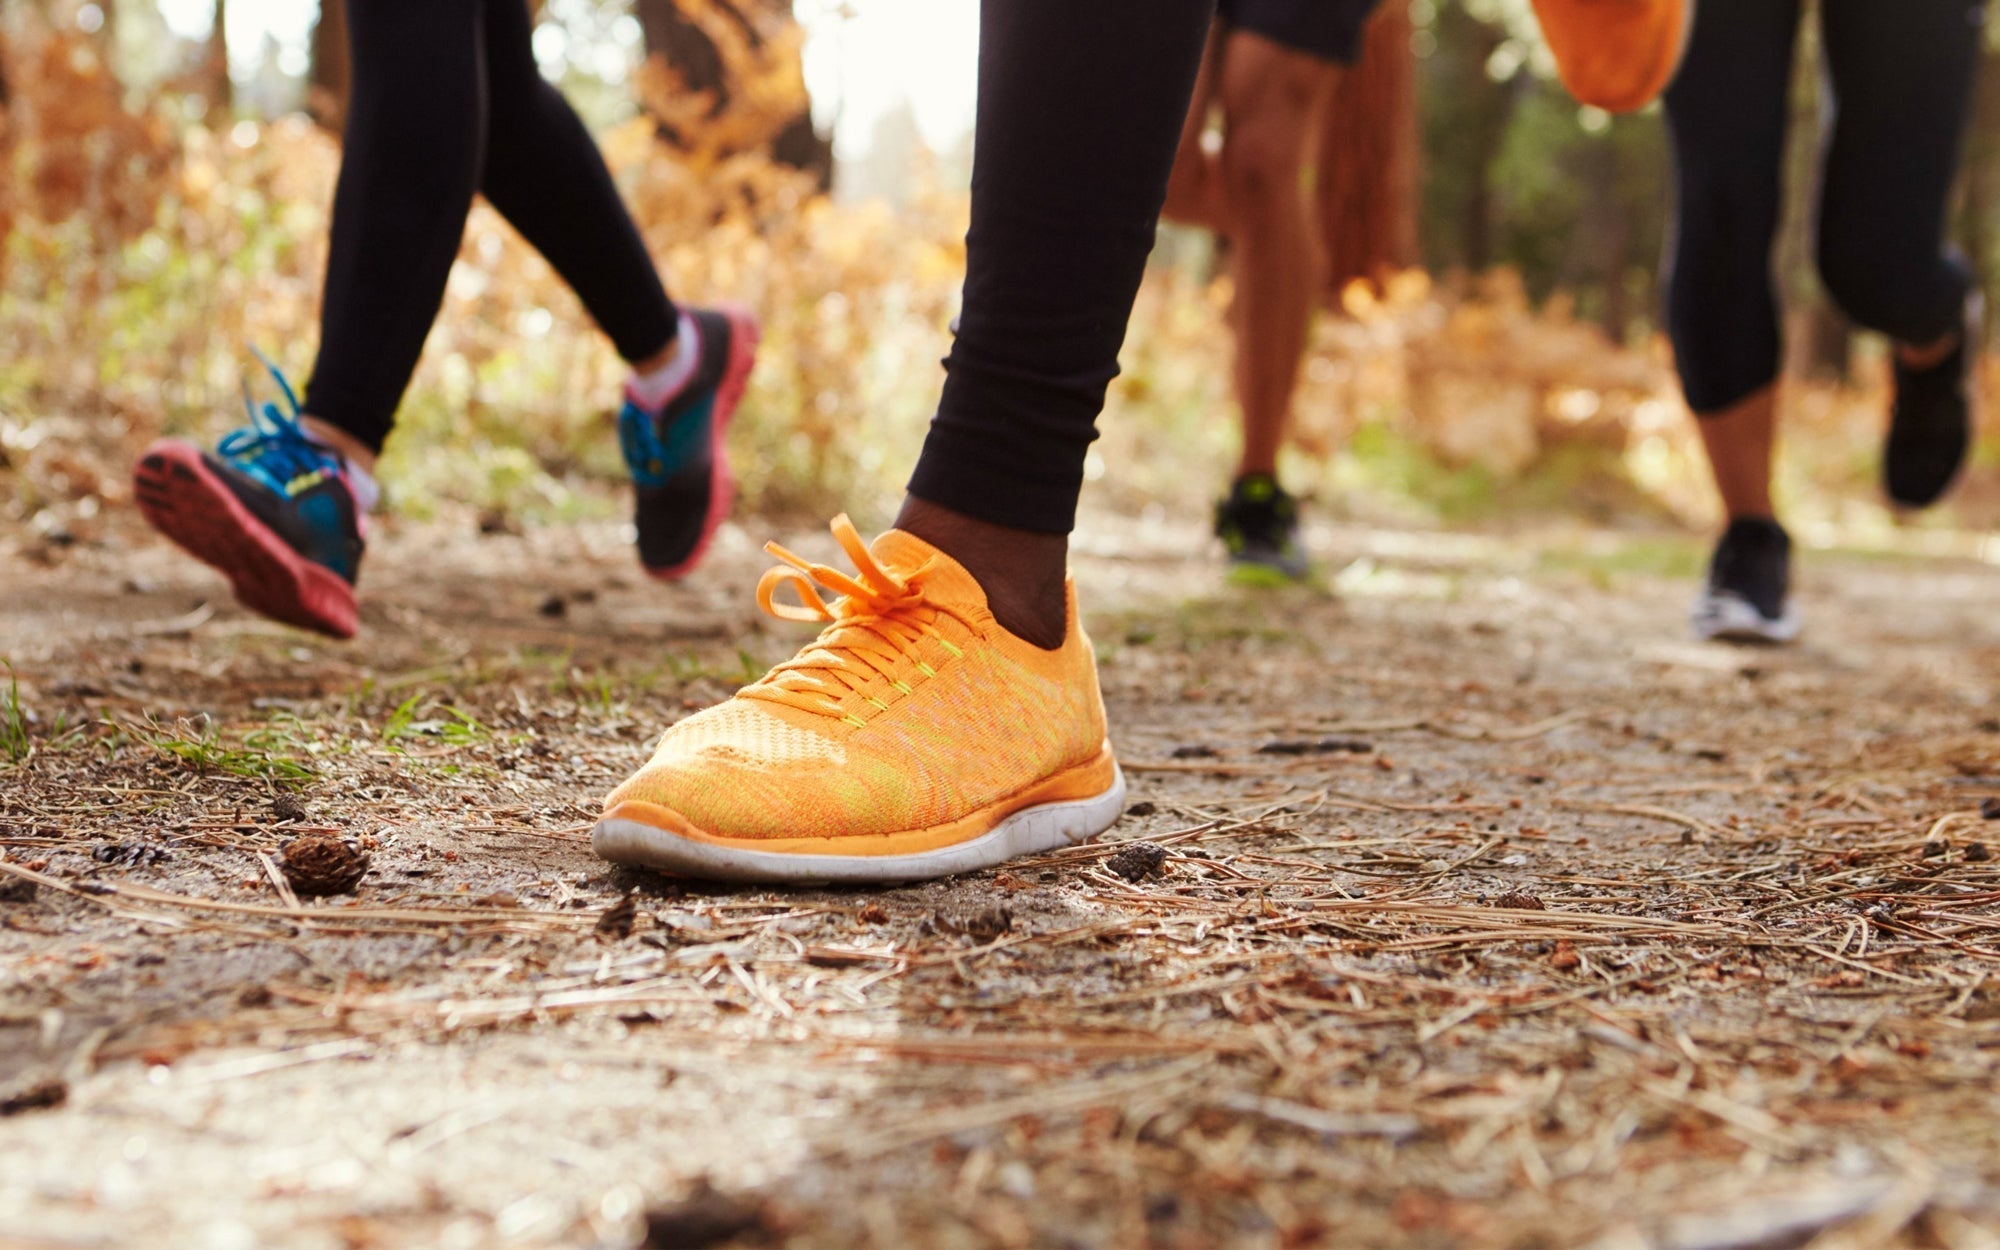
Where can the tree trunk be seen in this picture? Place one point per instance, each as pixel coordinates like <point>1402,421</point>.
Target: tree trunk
<point>1468,115</point>
<point>1982,181</point>
<point>332,74</point>
<point>1819,342</point>
<point>693,55</point>
<point>221,92</point>
<point>1366,173</point>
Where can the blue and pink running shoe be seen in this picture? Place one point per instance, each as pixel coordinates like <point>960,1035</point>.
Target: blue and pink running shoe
<point>677,455</point>
<point>270,508</point>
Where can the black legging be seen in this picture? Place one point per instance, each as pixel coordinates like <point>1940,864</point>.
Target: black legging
<point>1901,73</point>
<point>447,101</point>
<point>1080,106</point>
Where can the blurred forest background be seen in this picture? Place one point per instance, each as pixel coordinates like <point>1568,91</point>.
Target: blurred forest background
<point>1490,351</point>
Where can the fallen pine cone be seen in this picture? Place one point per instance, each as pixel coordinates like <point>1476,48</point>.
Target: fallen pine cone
<point>317,864</point>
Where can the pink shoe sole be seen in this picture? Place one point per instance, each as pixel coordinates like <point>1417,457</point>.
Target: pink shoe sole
<point>184,500</point>
<point>744,334</point>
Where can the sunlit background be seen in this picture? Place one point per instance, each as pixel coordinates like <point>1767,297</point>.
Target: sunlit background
<point>1505,364</point>
<point>864,59</point>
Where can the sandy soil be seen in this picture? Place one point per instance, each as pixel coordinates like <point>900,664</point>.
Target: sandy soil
<point>1492,913</point>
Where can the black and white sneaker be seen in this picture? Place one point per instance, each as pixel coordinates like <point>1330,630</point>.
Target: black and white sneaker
<point>1748,598</point>
<point>1930,427</point>
<point>1259,527</point>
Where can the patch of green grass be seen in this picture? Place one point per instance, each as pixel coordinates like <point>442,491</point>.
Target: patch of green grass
<point>418,719</point>
<point>1678,558</point>
<point>17,724</point>
<point>1567,479</point>
<point>203,747</point>
<point>15,744</point>
<point>1203,621</point>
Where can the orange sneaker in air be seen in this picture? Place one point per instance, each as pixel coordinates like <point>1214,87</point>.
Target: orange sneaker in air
<point>914,738</point>
<point>1617,55</point>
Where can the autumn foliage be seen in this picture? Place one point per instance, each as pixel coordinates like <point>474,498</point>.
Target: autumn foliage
<point>145,255</point>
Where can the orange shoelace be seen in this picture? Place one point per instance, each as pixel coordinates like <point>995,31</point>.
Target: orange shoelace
<point>873,627</point>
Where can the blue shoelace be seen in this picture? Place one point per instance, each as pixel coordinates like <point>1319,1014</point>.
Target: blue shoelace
<point>274,448</point>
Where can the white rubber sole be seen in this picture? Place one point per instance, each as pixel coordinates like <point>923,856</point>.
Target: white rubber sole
<point>1724,617</point>
<point>1029,831</point>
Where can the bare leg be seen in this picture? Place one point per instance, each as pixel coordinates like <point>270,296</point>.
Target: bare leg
<point>1022,572</point>
<point>1195,189</point>
<point>1928,355</point>
<point>1272,97</point>
<point>1739,440</point>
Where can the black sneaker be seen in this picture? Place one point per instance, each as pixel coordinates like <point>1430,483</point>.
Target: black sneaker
<point>1749,586</point>
<point>678,457</point>
<point>1930,426</point>
<point>1259,527</point>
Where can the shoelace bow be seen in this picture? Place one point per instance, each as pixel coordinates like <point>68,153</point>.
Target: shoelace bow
<point>872,626</point>
<point>274,439</point>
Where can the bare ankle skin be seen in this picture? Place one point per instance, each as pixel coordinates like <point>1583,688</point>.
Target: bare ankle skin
<point>352,449</point>
<point>1928,355</point>
<point>1739,440</point>
<point>1023,573</point>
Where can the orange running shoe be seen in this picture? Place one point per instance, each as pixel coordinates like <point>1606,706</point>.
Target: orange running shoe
<point>1617,55</point>
<point>914,738</point>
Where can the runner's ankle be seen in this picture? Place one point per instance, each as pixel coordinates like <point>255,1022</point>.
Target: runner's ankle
<point>1023,573</point>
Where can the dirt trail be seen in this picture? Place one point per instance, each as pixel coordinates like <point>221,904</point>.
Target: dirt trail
<point>1492,913</point>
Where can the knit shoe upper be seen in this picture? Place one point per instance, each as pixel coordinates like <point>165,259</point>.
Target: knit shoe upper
<point>913,728</point>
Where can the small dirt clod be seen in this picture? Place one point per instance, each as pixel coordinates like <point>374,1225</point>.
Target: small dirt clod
<point>615,925</point>
<point>129,854</point>
<point>1137,861</point>
<point>707,1217</point>
<point>319,865</point>
<point>17,890</point>
<point>1519,900</point>
<point>1318,746</point>
<point>33,1096</point>
<point>983,925</point>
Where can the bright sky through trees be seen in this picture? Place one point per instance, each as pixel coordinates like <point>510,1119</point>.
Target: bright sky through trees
<point>862,57</point>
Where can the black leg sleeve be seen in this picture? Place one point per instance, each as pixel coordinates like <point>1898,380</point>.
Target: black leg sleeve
<point>415,129</point>
<point>1903,78</point>
<point>1727,114</point>
<point>546,176</point>
<point>1080,106</point>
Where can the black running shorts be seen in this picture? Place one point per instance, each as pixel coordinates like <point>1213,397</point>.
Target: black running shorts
<point>1328,29</point>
